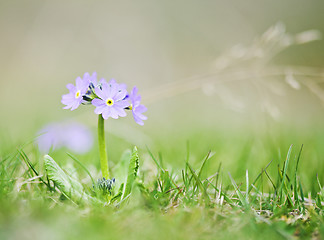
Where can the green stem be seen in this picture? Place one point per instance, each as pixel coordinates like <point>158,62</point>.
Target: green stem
<point>102,148</point>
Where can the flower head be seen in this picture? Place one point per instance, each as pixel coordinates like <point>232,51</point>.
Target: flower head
<point>72,135</point>
<point>136,107</point>
<point>120,87</point>
<point>48,138</point>
<point>111,101</point>
<point>75,97</point>
<point>89,95</point>
<point>91,78</point>
<point>106,184</point>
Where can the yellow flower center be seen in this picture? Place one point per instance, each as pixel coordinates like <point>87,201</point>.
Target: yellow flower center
<point>110,102</point>
<point>77,94</point>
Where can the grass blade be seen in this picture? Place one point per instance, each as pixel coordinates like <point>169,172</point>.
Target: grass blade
<point>247,186</point>
<point>82,166</point>
<point>257,178</point>
<point>279,197</point>
<point>296,198</point>
<point>199,184</point>
<point>239,194</point>
<point>154,159</point>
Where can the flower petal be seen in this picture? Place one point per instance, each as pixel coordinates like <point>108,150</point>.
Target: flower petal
<point>138,120</point>
<point>71,87</point>
<point>78,83</point>
<point>120,111</point>
<point>106,113</point>
<point>120,95</point>
<point>122,104</point>
<point>113,113</point>
<point>141,109</point>
<point>97,102</point>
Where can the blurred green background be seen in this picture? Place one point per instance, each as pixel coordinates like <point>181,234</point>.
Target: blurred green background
<point>174,52</point>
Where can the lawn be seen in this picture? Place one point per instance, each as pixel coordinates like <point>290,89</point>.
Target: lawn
<point>243,189</point>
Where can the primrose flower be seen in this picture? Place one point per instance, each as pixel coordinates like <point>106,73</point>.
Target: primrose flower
<point>89,95</point>
<point>111,101</point>
<point>48,138</point>
<point>92,78</point>
<point>75,97</point>
<point>136,107</point>
<point>120,87</point>
<point>72,135</point>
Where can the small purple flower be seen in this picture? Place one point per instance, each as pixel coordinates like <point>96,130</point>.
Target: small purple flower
<point>75,97</point>
<point>136,107</point>
<point>76,137</point>
<point>72,135</point>
<point>111,101</point>
<point>48,138</point>
<point>92,78</point>
<point>120,87</point>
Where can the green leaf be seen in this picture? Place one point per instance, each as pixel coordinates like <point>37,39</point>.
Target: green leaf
<point>132,173</point>
<point>70,187</point>
<point>119,194</point>
<point>120,170</point>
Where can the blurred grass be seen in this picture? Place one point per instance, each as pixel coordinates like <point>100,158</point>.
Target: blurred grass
<point>32,212</point>
<point>237,149</point>
<point>196,223</point>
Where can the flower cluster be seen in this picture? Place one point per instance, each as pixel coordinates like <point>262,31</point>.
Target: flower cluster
<point>106,184</point>
<point>110,98</point>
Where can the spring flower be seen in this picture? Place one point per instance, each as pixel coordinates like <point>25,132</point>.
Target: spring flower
<point>75,97</point>
<point>93,80</point>
<point>111,101</point>
<point>76,137</point>
<point>136,107</point>
<point>72,135</point>
<point>120,86</point>
<point>89,95</point>
<point>48,138</point>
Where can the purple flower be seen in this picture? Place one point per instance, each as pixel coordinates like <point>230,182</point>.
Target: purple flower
<point>75,97</point>
<point>111,101</point>
<point>120,87</point>
<point>91,78</point>
<point>110,98</point>
<point>48,138</point>
<point>72,135</point>
<point>76,137</point>
<point>136,107</point>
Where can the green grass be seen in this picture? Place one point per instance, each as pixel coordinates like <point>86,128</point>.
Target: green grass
<point>233,188</point>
